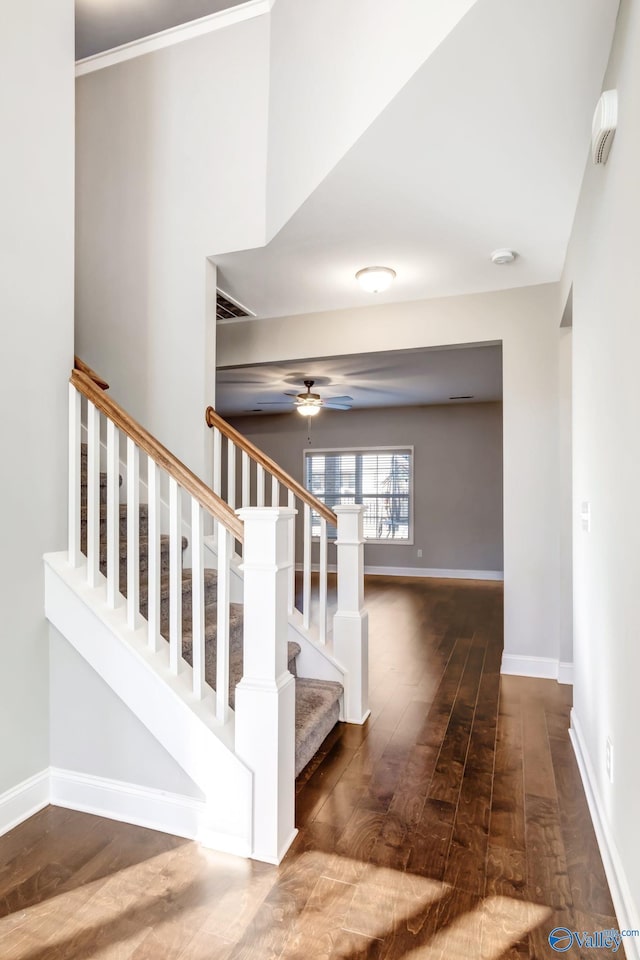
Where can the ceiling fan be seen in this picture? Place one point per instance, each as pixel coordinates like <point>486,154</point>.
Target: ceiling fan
<point>308,404</point>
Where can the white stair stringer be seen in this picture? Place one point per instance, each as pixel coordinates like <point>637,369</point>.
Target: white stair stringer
<point>164,703</point>
<point>315,660</point>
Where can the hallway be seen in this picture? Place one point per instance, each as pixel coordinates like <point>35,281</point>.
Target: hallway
<point>452,825</point>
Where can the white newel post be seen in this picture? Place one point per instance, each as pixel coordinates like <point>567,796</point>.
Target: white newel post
<point>265,697</point>
<point>351,622</point>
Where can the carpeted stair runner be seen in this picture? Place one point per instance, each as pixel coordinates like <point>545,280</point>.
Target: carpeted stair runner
<point>317,701</point>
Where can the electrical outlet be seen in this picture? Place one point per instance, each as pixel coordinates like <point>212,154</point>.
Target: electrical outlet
<point>608,759</point>
<point>585,516</point>
<point>419,551</point>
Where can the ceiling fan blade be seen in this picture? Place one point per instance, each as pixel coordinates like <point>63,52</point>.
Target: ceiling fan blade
<point>338,400</point>
<point>337,406</point>
<point>275,403</point>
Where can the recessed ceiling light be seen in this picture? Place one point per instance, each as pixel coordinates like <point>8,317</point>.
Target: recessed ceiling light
<point>503,255</point>
<point>375,279</point>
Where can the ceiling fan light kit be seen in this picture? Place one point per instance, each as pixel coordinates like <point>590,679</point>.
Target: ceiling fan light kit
<point>309,404</point>
<point>375,279</point>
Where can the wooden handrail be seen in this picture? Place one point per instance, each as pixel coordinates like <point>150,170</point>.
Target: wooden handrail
<point>214,419</point>
<point>86,369</point>
<point>163,457</point>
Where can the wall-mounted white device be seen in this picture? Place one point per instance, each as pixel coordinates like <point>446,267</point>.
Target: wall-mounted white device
<point>605,121</point>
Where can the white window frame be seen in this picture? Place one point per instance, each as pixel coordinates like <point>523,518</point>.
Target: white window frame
<point>401,448</point>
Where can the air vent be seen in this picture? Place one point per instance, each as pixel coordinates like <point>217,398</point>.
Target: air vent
<point>462,397</point>
<point>605,121</point>
<point>228,309</point>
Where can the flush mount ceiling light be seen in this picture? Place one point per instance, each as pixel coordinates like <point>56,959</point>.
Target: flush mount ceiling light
<point>502,256</point>
<point>375,279</point>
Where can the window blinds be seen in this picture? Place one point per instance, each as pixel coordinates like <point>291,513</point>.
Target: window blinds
<point>379,479</point>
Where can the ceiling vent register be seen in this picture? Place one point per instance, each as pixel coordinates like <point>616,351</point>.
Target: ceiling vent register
<point>605,121</point>
<point>228,309</point>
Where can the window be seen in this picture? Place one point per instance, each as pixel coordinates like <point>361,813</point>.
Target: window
<point>380,478</point>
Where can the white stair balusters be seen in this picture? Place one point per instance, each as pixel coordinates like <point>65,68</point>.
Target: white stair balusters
<point>322,588</point>
<point>306,567</point>
<point>260,480</point>
<point>225,545</point>
<point>217,462</point>
<point>197,600</point>
<point>133,534</point>
<point>113,514</point>
<point>291,506</point>
<point>175,576</point>
<point>75,428</point>
<point>350,623</point>
<point>154,561</point>
<point>93,495</point>
<point>246,480</point>
<point>231,475</point>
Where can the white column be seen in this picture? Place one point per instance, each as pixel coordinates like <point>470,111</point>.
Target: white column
<point>351,622</point>
<point>265,697</point>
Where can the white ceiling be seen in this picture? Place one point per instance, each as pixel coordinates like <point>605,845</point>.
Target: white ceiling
<point>103,24</point>
<point>485,147</point>
<point>391,379</point>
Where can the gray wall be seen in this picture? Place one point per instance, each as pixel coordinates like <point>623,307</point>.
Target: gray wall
<point>602,266</point>
<point>92,731</point>
<point>457,474</point>
<point>36,307</point>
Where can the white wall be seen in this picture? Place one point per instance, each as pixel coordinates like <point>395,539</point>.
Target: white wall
<point>457,501</point>
<point>334,67</point>
<point>565,457</point>
<point>171,158</point>
<point>183,151</point>
<point>603,266</point>
<point>36,306</point>
<point>526,321</point>
<point>92,732</point>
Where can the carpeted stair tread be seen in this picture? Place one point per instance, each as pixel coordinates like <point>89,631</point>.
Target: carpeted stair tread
<point>143,509</point>
<point>210,589</point>
<point>294,650</point>
<point>143,546</point>
<point>317,712</point>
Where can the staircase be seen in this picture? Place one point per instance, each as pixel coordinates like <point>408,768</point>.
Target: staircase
<point>317,701</point>
<point>190,615</point>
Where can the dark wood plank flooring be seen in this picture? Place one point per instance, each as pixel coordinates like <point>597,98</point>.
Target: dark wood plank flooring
<point>452,825</point>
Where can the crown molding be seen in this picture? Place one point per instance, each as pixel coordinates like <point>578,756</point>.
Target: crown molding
<point>174,35</point>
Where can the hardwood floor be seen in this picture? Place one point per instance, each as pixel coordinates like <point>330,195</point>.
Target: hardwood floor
<point>452,825</point>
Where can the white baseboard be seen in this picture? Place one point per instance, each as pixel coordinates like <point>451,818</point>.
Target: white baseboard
<point>143,806</point>
<point>434,572</point>
<point>626,910</point>
<point>420,572</point>
<point>23,800</point>
<point>565,672</point>
<point>544,668</point>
